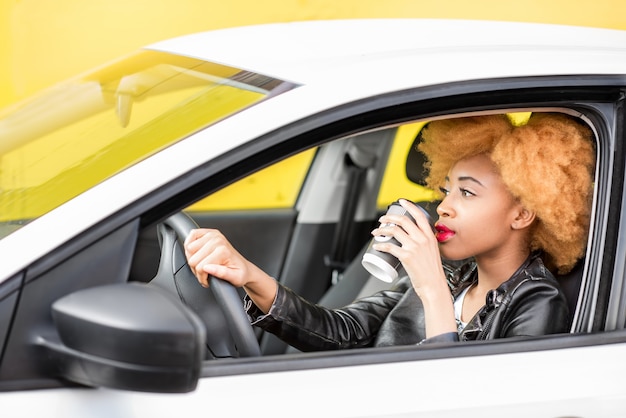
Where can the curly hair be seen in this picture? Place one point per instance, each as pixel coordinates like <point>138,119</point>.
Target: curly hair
<point>547,164</point>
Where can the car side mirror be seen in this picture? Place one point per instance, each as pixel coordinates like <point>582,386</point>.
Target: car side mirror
<point>130,336</point>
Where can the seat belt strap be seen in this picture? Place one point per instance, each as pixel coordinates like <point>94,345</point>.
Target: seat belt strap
<point>357,161</point>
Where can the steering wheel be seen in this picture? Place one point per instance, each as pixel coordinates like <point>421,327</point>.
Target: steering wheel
<point>229,332</point>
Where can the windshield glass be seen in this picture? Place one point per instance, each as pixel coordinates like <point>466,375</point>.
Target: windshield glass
<point>76,134</point>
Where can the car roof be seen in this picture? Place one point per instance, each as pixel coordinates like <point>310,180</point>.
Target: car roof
<point>314,51</point>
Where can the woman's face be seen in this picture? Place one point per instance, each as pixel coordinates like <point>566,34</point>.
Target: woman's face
<point>477,213</point>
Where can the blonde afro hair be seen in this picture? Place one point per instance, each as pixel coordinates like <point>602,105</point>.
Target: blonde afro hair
<point>547,164</point>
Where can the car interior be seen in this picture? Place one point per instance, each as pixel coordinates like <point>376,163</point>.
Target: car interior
<point>327,245</point>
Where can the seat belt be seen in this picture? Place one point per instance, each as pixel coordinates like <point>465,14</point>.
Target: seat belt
<point>357,161</point>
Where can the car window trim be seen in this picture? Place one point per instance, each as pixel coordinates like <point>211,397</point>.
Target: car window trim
<point>398,354</point>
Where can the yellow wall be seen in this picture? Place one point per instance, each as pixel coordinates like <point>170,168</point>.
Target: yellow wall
<point>45,41</point>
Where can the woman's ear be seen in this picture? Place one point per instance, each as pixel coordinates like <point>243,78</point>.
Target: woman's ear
<point>523,219</point>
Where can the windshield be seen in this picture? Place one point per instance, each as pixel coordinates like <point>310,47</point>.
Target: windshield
<point>76,134</point>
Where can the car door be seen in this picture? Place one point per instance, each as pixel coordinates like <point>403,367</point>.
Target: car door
<point>560,375</point>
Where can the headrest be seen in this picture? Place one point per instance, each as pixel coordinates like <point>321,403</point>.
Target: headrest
<point>417,172</point>
<point>415,162</point>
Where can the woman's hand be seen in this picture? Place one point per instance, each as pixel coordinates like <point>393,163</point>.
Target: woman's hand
<point>419,251</point>
<point>419,254</point>
<point>209,253</point>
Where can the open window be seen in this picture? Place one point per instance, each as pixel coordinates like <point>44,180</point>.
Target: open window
<point>303,237</point>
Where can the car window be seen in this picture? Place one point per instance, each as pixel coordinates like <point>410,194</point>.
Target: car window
<point>395,183</point>
<point>278,186</point>
<point>354,281</point>
<point>75,135</point>
<point>274,187</point>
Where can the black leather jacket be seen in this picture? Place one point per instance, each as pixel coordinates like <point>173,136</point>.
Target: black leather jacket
<point>530,303</point>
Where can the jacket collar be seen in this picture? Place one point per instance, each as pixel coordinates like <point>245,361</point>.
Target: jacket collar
<point>465,275</point>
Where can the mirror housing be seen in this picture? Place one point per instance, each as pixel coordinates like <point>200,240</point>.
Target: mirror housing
<point>130,336</point>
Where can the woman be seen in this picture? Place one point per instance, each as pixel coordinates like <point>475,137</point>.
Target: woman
<point>514,198</point>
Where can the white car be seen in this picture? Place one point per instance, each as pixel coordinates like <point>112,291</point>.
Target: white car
<point>100,176</point>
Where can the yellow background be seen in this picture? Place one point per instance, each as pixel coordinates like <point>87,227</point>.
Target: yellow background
<point>46,41</point>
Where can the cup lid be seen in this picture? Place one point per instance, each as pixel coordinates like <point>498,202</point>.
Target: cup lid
<point>378,268</point>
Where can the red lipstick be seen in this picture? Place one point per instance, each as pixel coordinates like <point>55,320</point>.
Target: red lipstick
<point>443,233</point>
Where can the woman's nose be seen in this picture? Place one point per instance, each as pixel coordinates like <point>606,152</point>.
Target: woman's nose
<point>444,209</point>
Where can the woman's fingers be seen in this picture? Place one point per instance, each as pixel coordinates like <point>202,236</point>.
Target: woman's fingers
<point>418,214</point>
<point>209,253</point>
<point>418,250</point>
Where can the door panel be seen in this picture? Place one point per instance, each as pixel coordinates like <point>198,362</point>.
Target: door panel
<point>262,236</point>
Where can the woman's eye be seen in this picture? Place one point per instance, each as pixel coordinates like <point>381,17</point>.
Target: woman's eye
<point>466,193</point>
<point>444,191</point>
